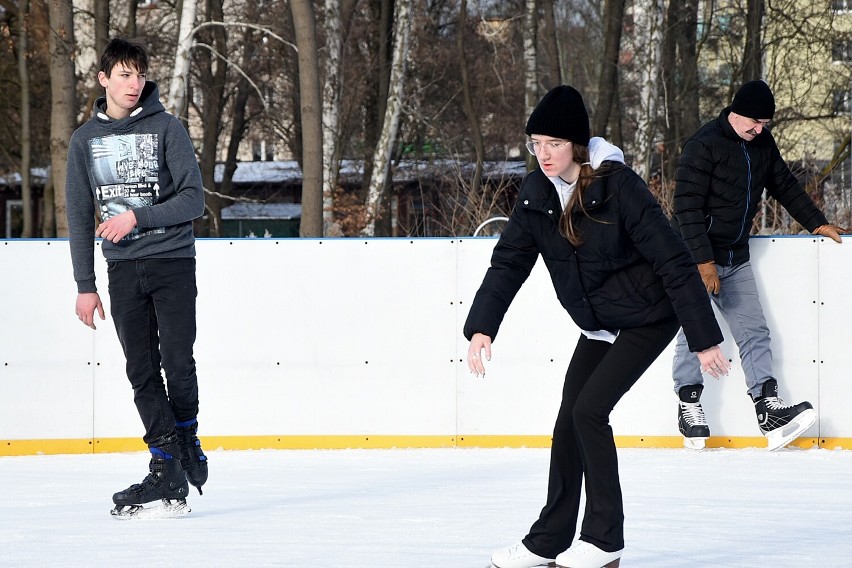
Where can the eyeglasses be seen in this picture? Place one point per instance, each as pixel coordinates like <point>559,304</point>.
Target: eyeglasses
<point>535,146</point>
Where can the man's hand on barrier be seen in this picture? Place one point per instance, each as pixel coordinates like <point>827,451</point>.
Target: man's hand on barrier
<point>832,232</point>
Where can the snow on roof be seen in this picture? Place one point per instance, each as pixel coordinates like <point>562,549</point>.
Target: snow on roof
<point>289,171</point>
<point>272,172</point>
<point>262,211</point>
<point>36,174</point>
<point>406,170</point>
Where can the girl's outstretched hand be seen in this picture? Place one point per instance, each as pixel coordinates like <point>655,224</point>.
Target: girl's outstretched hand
<point>714,362</point>
<point>478,343</point>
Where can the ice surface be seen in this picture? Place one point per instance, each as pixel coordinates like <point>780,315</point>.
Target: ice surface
<point>446,508</point>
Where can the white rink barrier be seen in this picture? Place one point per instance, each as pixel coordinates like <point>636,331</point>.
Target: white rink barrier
<point>333,343</point>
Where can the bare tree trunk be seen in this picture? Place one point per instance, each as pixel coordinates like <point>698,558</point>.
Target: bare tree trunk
<point>102,16</point>
<point>239,126</point>
<point>753,54</point>
<point>386,8</point>
<point>381,159</point>
<point>132,9</point>
<point>48,225</point>
<point>331,112</point>
<point>213,73</point>
<point>549,39</point>
<point>386,25</point>
<point>689,92</point>
<point>375,97</point>
<point>531,95</point>
<point>176,102</point>
<point>669,81</point>
<point>101,13</point>
<point>470,111</point>
<point>310,102</point>
<point>63,103</point>
<point>239,122</point>
<point>608,80</point>
<point>680,80</point>
<point>648,17</point>
<point>26,145</point>
<point>616,123</point>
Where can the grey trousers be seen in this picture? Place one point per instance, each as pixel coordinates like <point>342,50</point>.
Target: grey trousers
<point>739,304</point>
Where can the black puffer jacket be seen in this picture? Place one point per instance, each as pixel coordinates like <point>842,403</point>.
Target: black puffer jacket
<point>719,183</point>
<point>631,270</point>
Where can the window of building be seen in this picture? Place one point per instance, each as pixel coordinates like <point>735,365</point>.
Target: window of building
<point>14,218</point>
<point>841,102</point>
<point>841,50</point>
<point>841,5</point>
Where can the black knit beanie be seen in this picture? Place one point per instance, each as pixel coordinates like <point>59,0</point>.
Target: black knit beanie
<point>754,100</point>
<point>561,113</point>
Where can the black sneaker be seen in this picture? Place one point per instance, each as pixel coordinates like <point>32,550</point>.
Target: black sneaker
<point>165,480</point>
<point>781,424</point>
<point>192,457</point>
<point>690,417</point>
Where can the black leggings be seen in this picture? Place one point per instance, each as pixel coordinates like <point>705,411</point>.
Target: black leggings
<point>598,376</point>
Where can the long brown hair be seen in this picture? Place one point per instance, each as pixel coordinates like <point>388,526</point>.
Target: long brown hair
<point>575,202</point>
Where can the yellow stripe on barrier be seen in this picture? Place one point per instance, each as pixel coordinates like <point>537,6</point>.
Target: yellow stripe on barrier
<point>835,443</point>
<point>38,447</point>
<point>497,441</point>
<point>366,441</point>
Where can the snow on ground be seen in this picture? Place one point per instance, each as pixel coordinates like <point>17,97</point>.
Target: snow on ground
<point>446,508</point>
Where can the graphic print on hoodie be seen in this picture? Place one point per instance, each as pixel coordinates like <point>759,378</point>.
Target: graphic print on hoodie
<point>125,170</point>
<point>145,162</point>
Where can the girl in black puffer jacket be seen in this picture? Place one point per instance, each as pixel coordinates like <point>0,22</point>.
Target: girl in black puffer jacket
<point>629,284</point>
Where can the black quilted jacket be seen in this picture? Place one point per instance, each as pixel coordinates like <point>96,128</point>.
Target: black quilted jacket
<point>631,270</point>
<point>719,182</point>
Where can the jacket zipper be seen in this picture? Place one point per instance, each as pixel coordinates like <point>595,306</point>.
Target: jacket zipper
<point>748,203</point>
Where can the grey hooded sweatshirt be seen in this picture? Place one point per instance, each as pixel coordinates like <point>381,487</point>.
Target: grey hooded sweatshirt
<point>144,162</point>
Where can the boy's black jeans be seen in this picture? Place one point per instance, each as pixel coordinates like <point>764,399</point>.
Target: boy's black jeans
<point>152,303</point>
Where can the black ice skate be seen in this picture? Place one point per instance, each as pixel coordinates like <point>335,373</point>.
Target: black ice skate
<point>781,424</point>
<point>165,483</point>
<point>192,457</point>
<point>690,417</point>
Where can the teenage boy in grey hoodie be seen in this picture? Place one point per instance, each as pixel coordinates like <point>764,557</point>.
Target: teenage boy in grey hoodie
<point>133,164</point>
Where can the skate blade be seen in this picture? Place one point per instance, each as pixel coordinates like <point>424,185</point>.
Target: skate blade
<point>167,509</point>
<point>780,437</point>
<point>694,443</point>
<point>614,564</point>
<point>548,565</point>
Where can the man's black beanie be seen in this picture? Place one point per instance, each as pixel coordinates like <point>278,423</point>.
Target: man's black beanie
<point>561,113</point>
<point>754,100</point>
